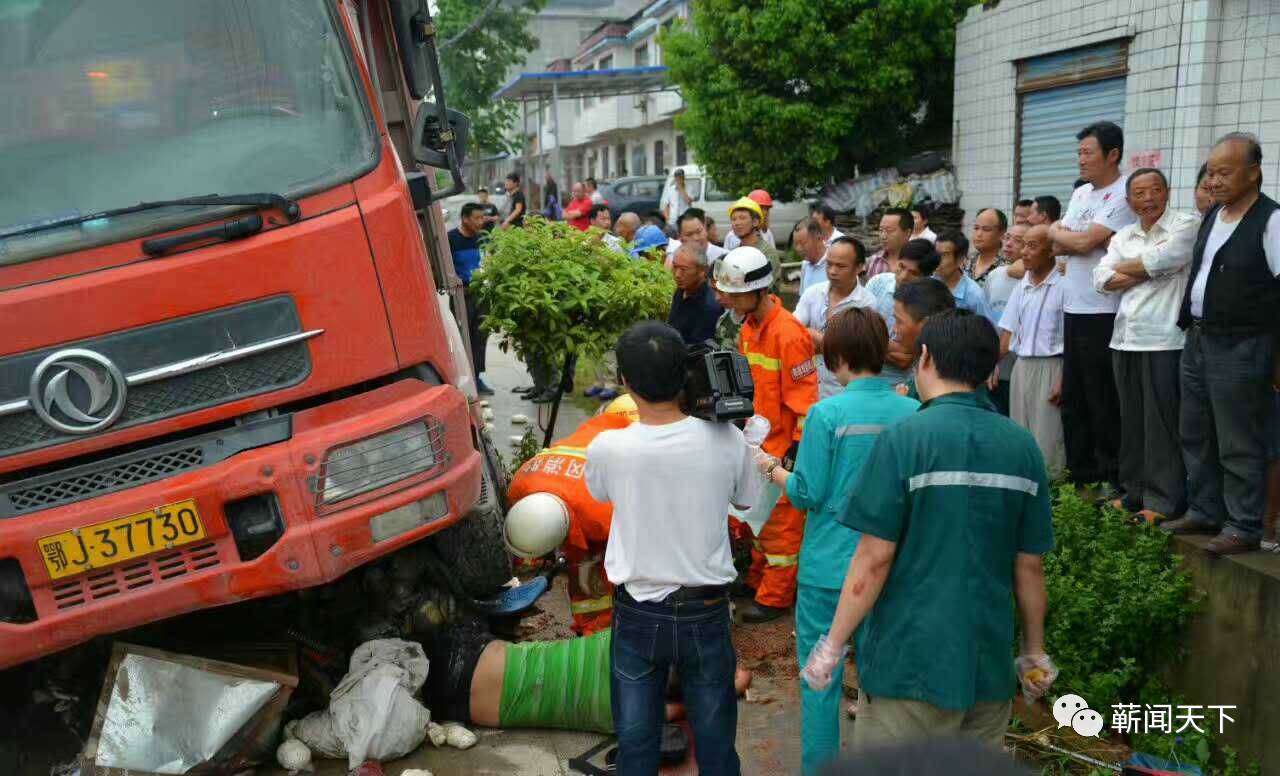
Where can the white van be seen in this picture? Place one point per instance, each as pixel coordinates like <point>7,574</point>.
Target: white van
<point>707,196</point>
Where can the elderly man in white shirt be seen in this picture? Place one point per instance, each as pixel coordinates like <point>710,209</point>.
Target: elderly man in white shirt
<point>840,291</point>
<point>1032,327</point>
<point>1147,266</point>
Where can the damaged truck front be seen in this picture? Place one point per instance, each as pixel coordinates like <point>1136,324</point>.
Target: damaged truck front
<point>231,364</point>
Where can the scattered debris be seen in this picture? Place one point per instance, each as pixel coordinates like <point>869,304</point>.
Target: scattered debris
<point>294,756</point>
<point>487,414</point>
<point>519,420</point>
<point>373,714</point>
<point>436,734</point>
<point>459,737</point>
<point>416,772</point>
<point>514,440</point>
<point>154,714</point>
<point>368,768</point>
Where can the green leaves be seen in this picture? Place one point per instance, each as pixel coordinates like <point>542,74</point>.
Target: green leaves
<point>784,94</point>
<point>550,290</point>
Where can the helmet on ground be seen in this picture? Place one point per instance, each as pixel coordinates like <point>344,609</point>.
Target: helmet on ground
<point>623,405</point>
<point>748,204</point>
<point>536,525</point>
<point>742,270</point>
<point>761,198</point>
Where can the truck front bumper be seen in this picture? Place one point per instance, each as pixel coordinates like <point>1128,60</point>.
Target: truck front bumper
<point>316,541</point>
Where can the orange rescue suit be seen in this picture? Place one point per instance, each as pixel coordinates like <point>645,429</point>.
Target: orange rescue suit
<point>560,470</point>
<point>780,352</point>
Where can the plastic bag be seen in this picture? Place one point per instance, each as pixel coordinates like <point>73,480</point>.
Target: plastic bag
<point>766,494</point>
<point>372,713</point>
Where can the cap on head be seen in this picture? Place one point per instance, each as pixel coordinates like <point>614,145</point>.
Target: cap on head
<point>742,270</point>
<point>536,525</point>
<point>748,204</point>
<point>761,198</point>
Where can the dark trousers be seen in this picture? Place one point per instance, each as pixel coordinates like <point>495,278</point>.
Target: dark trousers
<point>650,638</point>
<point>479,339</point>
<point>1151,471</point>
<point>1090,407</point>
<point>1227,404</point>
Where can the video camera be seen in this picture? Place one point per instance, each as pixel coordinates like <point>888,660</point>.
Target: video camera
<point>718,386</point>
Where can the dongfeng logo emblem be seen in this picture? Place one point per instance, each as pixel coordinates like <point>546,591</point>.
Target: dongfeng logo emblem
<point>78,391</point>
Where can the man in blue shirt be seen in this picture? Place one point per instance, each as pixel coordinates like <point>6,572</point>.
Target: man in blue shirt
<point>917,260</point>
<point>952,247</point>
<point>694,309</point>
<point>464,244</point>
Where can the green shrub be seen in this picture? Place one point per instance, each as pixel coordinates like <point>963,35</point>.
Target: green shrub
<point>550,290</point>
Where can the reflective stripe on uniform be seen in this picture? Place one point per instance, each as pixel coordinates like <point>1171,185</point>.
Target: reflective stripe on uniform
<point>859,430</point>
<point>764,362</point>
<point>572,452</point>
<point>974,479</point>
<point>781,560</point>
<point>800,422</point>
<point>588,605</point>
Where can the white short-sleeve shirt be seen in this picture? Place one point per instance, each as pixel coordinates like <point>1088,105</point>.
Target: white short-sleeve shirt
<point>671,487</point>
<point>1034,316</point>
<point>1107,207</point>
<point>1219,233</point>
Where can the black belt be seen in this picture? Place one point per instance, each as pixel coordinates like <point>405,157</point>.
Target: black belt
<point>699,593</point>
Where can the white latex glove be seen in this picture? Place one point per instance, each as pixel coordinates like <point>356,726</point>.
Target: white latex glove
<point>756,430</point>
<point>763,461</point>
<point>822,662</point>
<point>1036,674</point>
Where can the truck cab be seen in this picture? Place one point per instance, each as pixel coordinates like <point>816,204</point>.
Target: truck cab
<point>231,363</point>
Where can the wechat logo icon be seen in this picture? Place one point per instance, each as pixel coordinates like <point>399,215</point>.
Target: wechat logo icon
<point>1073,711</point>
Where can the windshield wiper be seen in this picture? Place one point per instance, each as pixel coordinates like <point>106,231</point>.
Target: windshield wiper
<point>285,205</point>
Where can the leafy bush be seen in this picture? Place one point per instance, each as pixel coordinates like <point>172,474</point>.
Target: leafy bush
<point>551,290</point>
<point>1118,602</point>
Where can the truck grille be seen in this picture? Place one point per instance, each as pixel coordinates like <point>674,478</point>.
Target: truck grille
<point>127,475</point>
<point>266,371</point>
<point>125,579</point>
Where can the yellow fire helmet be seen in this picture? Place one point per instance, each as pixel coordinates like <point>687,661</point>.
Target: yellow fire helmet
<point>623,405</point>
<point>749,204</point>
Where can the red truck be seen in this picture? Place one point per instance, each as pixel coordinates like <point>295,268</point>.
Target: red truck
<point>230,358</point>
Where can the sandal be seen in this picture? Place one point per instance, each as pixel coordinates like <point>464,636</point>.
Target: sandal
<point>1151,517</point>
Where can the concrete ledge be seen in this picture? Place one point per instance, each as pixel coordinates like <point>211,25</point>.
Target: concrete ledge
<point>1233,646</point>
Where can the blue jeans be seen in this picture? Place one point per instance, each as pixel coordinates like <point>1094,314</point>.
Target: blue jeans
<point>648,639</point>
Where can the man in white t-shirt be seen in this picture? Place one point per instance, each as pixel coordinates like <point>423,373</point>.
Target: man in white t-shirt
<point>1098,209</point>
<point>671,479</point>
<point>1228,369</point>
<point>675,198</point>
<point>691,226</point>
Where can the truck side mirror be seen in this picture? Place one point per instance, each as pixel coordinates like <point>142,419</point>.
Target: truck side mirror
<point>411,21</point>
<point>433,143</point>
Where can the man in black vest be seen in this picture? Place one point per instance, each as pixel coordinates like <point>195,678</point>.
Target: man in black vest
<point>1231,313</point>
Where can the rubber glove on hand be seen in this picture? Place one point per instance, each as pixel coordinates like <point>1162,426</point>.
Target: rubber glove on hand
<point>822,662</point>
<point>763,460</point>
<point>1036,674</point>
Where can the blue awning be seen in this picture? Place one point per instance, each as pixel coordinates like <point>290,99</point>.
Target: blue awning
<point>585,83</point>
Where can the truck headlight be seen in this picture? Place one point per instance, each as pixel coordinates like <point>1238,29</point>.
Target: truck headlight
<point>381,460</point>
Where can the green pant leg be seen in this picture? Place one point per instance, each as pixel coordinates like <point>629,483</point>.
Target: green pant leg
<point>558,684</point>
<point>819,711</point>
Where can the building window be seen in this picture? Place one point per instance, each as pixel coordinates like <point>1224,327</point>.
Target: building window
<point>605,63</point>
<point>1058,95</point>
<point>659,158</point>
<point>639,160</point>
<point>620,159</point>
<point>642,55</point>
<point>682,155</point>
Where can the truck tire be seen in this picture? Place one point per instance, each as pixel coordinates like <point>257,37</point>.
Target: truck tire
<point>474,548</point>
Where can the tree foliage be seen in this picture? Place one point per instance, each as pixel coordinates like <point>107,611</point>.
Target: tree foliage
<point>783,94</point>
<point>550,290</point>
<point>475,65</point>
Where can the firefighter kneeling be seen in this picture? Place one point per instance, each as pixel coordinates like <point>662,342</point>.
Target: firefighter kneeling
<point>780,351</point>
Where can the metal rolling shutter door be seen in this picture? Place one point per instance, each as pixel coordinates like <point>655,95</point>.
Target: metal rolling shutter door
<point>1050,120</point>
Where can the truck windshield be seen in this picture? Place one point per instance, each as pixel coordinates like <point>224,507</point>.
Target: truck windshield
<point>110,104</point>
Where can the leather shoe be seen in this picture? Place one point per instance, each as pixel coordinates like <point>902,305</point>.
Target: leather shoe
<point>546,397</point>
<point>755,612</point>
<point>1231,544</point>
<point>1187,525</point>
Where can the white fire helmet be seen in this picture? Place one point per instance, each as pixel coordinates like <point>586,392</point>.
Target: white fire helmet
<point>742,270</point>
<point>536,525</point>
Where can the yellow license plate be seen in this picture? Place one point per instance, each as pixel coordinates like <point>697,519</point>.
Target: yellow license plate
<point>124,538</point>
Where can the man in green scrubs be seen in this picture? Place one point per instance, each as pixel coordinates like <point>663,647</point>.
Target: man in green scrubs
<point>953,507</point>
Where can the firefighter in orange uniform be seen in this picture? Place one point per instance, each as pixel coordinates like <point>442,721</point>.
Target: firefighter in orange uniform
<point>550,508</point>
<point>780,352</point>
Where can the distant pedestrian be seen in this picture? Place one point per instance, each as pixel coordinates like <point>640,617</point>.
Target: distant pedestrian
<point>1031,327</point>
<point>838,435</point>
<point>1045,210</point>
<point>934,657</point>
<point>577,213</point>
<point>920,220</point>
<point>1147,265</point>
<point>675,198</point>
<point>465,245</point>
<point>896,226</point>
<point>807,241</point>
<point>552,209</point>
<point>952,249</point>
<point>491,216</point>
<point>593,192</point>
<point>1090,406</point>
<point>670,478</point>
<point>917,260</point>
<point>516,204</point>
<point>841,291</point>
<point>1228,362</point>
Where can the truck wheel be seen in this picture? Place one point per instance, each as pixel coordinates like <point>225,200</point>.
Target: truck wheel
<point>474,548</point>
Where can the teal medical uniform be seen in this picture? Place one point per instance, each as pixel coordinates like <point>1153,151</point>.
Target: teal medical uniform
<point>839,433</point>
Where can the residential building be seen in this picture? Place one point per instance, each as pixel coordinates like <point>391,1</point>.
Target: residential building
<point>1175,74</point>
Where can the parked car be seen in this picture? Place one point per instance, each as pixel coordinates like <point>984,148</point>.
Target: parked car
<point>709,197</point>
<point>638,194</point>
